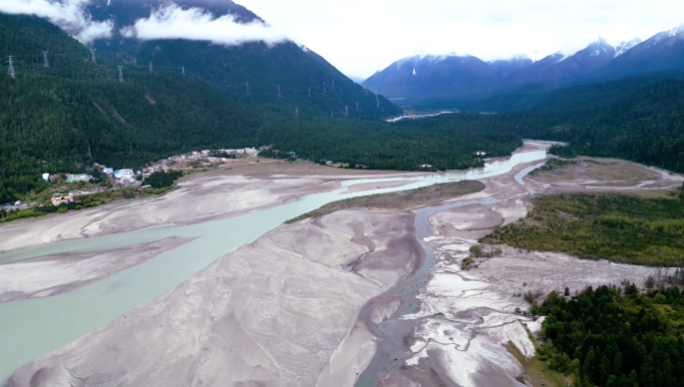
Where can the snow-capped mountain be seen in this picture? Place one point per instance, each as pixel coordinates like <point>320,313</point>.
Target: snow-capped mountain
<point>431,75</point>
<point>572,67</point>
<point>625,45</point>
<point>662,52</point>
<point>436,76</point>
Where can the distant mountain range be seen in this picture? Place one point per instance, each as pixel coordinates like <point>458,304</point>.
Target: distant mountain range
<point>421,79</point>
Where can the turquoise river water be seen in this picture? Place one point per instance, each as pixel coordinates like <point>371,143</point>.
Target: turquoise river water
<point>32,328</point>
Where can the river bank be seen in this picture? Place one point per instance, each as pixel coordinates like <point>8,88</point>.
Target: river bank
<point>91,306</point>
<point>458,326</point>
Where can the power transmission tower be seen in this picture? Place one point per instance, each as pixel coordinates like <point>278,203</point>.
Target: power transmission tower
<point>92,55</point>
<point>346,110</point>
<point>11,66</point>
<point>377,100</point>
<point>247,88</point>
<point>151,68</point>
<point>90,155</point>
<point>278,91</point>
<point>183,69</point>
<point>357,106</point>
<point>296,111</point>
<point>120,73</point>
<point>46,64</point>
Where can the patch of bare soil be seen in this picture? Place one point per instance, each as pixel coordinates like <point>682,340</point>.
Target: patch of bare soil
<point>278,312</point>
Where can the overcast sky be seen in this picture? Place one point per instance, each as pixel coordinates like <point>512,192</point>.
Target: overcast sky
<point>363,36</point>
<point>360,37</point>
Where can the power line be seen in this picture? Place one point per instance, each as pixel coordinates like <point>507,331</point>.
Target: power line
<point>104,71</point>
<point>11,67</point>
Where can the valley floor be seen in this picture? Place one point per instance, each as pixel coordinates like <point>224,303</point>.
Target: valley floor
<point>300,306</point>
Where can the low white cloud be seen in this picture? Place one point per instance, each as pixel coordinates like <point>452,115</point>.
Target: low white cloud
<point>172,22</point>
<point>70,15</point>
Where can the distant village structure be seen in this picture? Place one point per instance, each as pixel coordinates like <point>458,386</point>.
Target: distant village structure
<point>129,178</point>
<point>58,199</point>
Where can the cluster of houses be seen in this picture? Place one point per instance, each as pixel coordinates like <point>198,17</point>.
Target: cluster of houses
<point>58,199</point>
<point>215,156</point>
<point>128,177</point>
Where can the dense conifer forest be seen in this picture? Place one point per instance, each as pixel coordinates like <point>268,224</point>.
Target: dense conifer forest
<point>646,125</point>
<point>75,112</point>
<point>616,337</point>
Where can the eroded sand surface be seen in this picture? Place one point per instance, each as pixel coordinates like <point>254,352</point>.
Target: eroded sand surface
<point>279,312</point>
<point>52,275</point>
<point>198,198</point>
<point>466,318</point>
<point>285,310</point>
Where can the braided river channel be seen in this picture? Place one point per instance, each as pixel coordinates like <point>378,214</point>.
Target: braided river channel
<point>31,328</point>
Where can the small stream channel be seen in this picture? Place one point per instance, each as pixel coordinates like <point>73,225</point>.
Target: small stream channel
<point>391,352</point>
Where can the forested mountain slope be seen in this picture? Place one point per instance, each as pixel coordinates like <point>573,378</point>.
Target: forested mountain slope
<point>645,125</point>
<point>581,96</point>
<point>76,112</point>
<point>306,83</point>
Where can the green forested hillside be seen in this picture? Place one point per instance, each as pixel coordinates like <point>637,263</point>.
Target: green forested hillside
<point>557,98</point>
<point>305,84</point>
<point>646,126</point>
<point>76,112</point>
<point>385,146</point>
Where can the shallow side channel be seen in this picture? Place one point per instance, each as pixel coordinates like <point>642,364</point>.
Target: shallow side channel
<point>32,328</point>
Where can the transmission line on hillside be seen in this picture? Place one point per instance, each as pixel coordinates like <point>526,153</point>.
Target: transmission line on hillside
<point>107,71</point>
<point>11,67</point>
